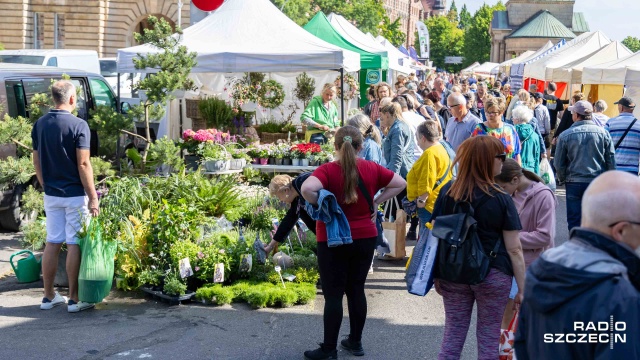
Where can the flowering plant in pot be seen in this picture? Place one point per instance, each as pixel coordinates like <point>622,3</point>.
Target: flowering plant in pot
<point>264,151</point>
<point>214,156</point>
<point>239,157</point>
<point>303,152</point>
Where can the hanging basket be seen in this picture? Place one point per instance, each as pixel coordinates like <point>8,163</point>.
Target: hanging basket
<point>193,108</point>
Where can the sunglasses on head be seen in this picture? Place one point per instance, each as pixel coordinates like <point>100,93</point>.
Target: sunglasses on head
<point>502,157</point>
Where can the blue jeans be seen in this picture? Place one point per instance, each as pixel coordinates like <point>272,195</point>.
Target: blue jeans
<point>575,190</point>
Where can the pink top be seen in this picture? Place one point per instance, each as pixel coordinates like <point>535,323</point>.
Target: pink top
<point>537,209</point>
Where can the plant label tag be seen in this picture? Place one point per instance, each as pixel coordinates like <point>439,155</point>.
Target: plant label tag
<point>246,263</point>
<point>218,274</point>
<point>185,268</point>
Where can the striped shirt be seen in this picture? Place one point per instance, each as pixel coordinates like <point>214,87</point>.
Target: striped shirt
<point>628,153</point>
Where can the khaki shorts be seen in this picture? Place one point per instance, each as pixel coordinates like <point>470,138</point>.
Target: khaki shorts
<point>65,218</point>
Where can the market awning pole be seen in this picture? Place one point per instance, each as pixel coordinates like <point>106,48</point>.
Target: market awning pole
<point>342,93</point>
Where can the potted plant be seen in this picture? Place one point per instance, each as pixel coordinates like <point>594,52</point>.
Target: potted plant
<point>217,113</point>
<point>286,159</point>
<point>164,154</point>
<point>305,88</point>
<point>214,157</point>
<point>238,158</point>
<point>263,155</point>
<point>254,153</point>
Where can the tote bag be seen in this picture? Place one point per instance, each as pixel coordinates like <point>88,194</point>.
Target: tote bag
<point>395,232</point>
<point>420,271</point>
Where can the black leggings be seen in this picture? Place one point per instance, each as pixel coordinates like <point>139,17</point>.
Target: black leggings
<point>343,270</point>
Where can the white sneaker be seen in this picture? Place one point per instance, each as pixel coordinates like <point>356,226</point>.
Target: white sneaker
<point>371,269</point>
<point>74,307</point>
<point>50,304</point>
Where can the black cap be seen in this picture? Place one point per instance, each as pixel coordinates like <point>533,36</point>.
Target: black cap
<point>626,102</point>
<point>537,95</point>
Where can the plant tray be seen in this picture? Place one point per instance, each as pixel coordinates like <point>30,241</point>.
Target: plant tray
<point>270,138</point>
<point>193,108</point>
<point>171,300</point>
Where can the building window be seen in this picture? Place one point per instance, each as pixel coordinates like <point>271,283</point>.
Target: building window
<point>58,31</point>
<point>38,31</point>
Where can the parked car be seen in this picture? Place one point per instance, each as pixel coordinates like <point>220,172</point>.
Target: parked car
<point>18,84</point>
<point>86,60</point>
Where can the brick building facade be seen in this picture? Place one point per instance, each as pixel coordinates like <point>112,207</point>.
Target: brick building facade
<point>102,25</point>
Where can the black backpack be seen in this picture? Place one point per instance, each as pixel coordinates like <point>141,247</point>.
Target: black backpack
<point>461,257</point>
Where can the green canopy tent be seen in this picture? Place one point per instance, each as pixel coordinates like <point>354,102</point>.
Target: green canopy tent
<point>322,28</point>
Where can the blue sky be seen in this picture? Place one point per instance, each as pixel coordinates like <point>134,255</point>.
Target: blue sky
<point>617,19</point>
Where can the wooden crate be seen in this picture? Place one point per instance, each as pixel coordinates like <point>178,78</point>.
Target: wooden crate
<point>270,138</point>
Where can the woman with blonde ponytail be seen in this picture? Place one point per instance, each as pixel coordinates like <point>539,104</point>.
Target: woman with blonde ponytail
<point>343,269</point>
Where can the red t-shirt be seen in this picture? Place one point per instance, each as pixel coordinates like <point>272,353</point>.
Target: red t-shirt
<point>375,177</point>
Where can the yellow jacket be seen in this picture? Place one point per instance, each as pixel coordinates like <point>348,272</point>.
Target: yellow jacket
<point>430,167</point>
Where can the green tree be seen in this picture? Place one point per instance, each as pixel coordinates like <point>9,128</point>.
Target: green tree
<point>453,12</point>
<point>633,43</point>
<point>174,63</point>
<point>297,10</point>
<point>477,39</point>
<point>446,40</point>
<point>392,31</point>
<point>366,15</point>
<point>465,18</point>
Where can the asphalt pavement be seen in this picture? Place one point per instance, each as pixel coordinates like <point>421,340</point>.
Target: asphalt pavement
<point>132,326</point>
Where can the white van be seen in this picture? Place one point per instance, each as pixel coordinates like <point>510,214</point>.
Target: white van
<point>86,60</point>
<point>109,70</point>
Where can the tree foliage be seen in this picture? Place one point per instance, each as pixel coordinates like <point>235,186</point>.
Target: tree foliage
<point>453,12</point>
<point>174,64</point>
<point>477,39</point>
<point>633,43</point>
<point>465,18</point>
<point>297,10</point>
<point>392,31</point>
<point>446,40</point>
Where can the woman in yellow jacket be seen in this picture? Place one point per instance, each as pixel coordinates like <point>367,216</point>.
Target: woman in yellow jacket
<point>429,173</point>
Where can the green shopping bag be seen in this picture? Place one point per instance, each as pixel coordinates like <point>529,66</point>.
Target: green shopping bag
<point>96,265</point>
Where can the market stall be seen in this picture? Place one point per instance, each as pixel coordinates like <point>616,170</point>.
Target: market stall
<point>606,81</point>
<point>246,36</point>
<point>321,27</point>
<point>632,81</point>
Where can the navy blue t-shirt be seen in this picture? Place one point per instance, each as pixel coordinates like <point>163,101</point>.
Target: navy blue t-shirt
<point>56,136</point>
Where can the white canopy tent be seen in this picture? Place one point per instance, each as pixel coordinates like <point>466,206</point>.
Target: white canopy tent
<point>485,69</point>
<point>632,80</point>
<point>469,69</point>
<point>583,45</point>
<point>612,72</point>
<point>251,35</point>
<point>572,72</point>
<point>504,66</point>
<point>395,57</point>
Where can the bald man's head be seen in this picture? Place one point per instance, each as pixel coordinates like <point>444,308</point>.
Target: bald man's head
<point>611,205</point>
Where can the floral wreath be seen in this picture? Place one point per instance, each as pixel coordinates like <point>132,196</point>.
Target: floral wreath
<point>270,94</point>
<point>352,87</point>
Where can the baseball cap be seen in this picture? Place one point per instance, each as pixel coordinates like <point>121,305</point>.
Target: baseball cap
<point>626,102</point>
<point>582,107</point>
<point>537,95</point>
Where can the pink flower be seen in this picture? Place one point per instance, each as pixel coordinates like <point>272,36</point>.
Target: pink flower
<point>200,255</point>
<point>197,268</point>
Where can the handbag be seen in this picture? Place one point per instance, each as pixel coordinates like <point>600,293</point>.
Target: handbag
<point>420,269</point>
<point>507,338</point>
<point>381,241</point>
<point>461,257</point>
<point>395,232</point>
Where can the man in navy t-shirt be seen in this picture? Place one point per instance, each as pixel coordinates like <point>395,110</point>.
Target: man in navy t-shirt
<point>62,161</point>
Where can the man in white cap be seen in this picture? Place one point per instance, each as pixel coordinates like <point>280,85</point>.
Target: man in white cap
<point>583,152</point>
<point>625,133</point>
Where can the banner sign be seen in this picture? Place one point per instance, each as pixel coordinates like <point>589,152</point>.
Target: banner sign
<point>374,76</point>
<point>423,36</point>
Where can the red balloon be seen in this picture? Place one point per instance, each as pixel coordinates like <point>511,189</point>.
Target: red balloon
<point>207,5</point>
